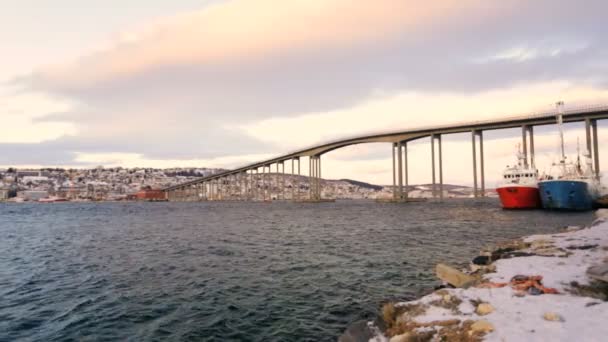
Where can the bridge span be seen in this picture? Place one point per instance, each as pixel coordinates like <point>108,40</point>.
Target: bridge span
<point>248,183</point>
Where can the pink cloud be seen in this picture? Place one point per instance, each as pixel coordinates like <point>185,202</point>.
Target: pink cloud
<point>250,31</point>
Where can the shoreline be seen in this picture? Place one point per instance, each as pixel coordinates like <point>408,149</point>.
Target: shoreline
<point>556,295</point>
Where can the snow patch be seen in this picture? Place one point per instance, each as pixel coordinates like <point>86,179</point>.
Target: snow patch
<point>520,318</point>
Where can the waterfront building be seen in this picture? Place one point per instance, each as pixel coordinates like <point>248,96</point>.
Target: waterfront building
<point>149,194</point>
<point>33,195</point>
<point>4,194</point>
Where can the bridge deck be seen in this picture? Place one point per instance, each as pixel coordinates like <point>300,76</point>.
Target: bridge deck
<point>574,115</point>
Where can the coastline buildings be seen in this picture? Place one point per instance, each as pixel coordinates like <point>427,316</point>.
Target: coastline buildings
<point>116,184</point>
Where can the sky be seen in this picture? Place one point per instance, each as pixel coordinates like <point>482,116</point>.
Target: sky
<point>223,83</point>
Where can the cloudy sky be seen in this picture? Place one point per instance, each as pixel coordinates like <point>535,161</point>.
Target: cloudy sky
<point>222,83</point>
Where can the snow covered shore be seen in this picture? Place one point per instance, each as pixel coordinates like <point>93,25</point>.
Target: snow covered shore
<point>498,308</point>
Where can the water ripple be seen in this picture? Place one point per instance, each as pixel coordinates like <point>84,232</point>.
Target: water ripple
<point>230,271</point>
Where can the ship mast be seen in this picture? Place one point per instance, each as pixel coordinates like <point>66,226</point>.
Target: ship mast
<point>578,155</point>
<point>560,122</point>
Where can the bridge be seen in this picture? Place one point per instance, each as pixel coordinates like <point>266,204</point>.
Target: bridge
<point>248,183</point>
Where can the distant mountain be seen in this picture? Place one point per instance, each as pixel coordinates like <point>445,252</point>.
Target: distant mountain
<point>446,187</point>
<point>363,184</point>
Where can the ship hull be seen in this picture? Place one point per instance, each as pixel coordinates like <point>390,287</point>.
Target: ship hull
<point>565,195</point>
<point>519,197</point>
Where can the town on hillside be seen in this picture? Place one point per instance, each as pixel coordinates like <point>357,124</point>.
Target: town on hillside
<point>96,184</point>
<point>124,184</point>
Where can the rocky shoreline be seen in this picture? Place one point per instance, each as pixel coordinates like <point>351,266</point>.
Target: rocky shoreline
<point>538,288</point>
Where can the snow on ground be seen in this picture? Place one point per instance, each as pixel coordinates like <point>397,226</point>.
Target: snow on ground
<point>518,317</point>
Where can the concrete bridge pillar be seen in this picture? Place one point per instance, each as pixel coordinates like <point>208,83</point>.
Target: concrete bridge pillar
<point>212,189</point>
<point>247,177</point>
<point>297,181</point>
<point>596,150</point>
<point>319,177</point>
<point>256,190</point>
<point>437,137</point>
<point>527,137</point>
<point>524,143</point>
<point>592,144</point>
<point>242,185</point>
<point>227,186</point>
<point>282,180</point>
<point>400,170</point>
<point>478,135</point>
<point>440,143</point>
<point>246,183</point>
<point>532,151</point>
<point>406,194</point>
<point>310,177</point>
<point>293,179</point>
<point>234,187</point>
<point>315,178</point>
<point>474,165</point>
<point>263,181</point>
<point>393,148</point>
<point>220,189</point>
<point>482,169</point>
<point>433,165</point>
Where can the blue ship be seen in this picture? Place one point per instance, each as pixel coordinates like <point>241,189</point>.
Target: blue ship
<point>565,194</point>
<point>573,188</point>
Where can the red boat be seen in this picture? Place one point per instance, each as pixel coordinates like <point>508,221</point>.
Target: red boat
<point>519,186</point>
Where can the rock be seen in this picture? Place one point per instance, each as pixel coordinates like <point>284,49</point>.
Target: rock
<point>407,337</point>
<point>601,213</point>
<point>516,254</point>
<point>553,317</point>
<point>541,243</point>
<point>482,326</point>
<point>359,331</point>
<point>582,247</point>
<point>453,276</point>
<point>599,272</point>
<point>481,260</point>
<point>552,252</point>
<point>484,309</point>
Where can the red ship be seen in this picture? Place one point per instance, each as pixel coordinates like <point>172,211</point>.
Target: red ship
<point>519,186</point>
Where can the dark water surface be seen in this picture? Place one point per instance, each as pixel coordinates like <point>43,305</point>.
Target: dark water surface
<point>231,271</point>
